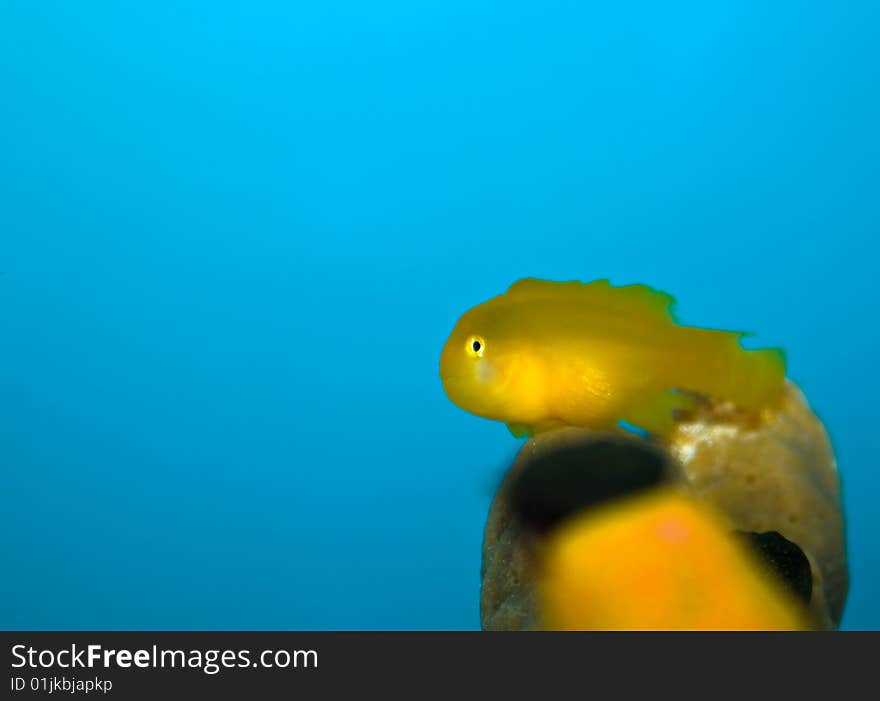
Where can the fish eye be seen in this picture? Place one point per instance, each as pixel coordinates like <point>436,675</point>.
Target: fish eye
<point>475,346</point>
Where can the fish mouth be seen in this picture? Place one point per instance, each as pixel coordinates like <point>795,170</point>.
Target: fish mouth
<point>456,390</point>
<point>450,381</point>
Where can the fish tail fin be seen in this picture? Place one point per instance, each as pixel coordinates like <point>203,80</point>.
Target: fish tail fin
<point>768,371</point>
<point>758,377</point>
<point>724,370</point>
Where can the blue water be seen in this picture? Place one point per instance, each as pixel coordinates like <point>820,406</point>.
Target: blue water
<point>234,237</point>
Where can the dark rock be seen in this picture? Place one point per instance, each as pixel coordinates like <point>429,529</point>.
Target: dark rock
<point>785,559</point>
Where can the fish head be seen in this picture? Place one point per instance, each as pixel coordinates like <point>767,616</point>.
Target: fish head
<point>486,368</point>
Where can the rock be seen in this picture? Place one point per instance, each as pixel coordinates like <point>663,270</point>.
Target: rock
<point>777,476</point>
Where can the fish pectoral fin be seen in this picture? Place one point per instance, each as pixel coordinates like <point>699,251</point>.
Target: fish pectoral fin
<point>658,413</point>
<point>520,430</point>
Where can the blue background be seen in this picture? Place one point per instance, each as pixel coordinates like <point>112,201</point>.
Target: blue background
<point>234,237</point>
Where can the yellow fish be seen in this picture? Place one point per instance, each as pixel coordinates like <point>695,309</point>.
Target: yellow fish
<point>550,354</point>
<point>659,562</point>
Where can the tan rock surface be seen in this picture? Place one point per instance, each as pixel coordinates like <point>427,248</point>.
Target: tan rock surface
<point>778,476</point>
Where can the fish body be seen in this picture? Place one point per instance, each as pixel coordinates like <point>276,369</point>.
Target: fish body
<point>549,354</point>
<point>659,562</point>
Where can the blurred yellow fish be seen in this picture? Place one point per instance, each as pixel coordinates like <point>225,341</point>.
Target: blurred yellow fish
<point>659,562</point>
<point>550,354</point>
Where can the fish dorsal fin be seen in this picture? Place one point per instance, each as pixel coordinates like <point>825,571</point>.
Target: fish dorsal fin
<point>626,299</point>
